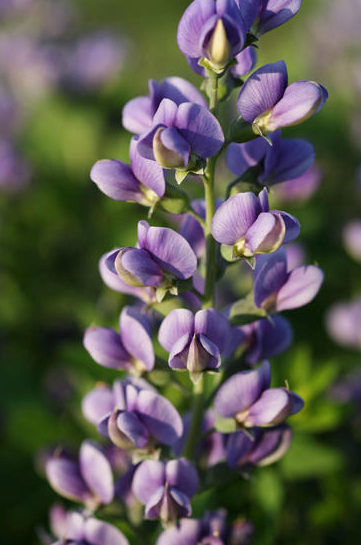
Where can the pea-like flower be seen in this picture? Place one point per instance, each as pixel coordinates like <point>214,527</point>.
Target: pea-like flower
<point>277,288</point>
<point>90,531</point>
<point>301,188</point>
<point>138,113</point>
<point>194,342</point>
<point>264,448</point>
<point>133,415</point>
<point>245,222</point>
<point>132,349</point>
<point>265,15</point>
<point>166,488</point>
<point>210,530</point>
<point>213,31</point>
<point>248,398</point>
<point>265,338</point>
<point>269,103</point>
<point>286,159</point>
<point>161,258</point>
<point>181,136</point>
<point>142,181</point>
<point>88,480</point>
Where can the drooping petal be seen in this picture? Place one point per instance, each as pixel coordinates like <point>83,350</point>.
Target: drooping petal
<point>149,173</point>
<point>241,391</point>
<point>301,287</point>
<point>130,425</point>
<point>200,128</point>
<point>171,251</point>
<point>246,61</point>
<point>241,157</point>
<point>105,347</point>
<point>250,10</point>
<point>293,158</point>
<point>178,354</point>
<point>191,24</point>
<point>137,264</point>
<point>160,417</point>
<point>266,234</point>
<point>137,115</point>
<point>98,403</point>
<point>148,478</point>
<point>239,447</point>
<point>182,475</point>
<point>263,89</point>
<point>277,12</point>
<point>98,532</point>
<point>166,113</point>
<point>234,217</point>
<point>300,101</point>
<point>213,325</point>
<point>64,476</point>
<point>271,446</point>
<point>96,472</point>
<point>116,180</point>
<point>270,339</point>
<point>272,408</point>
<point>111,278</point>
<point>136,336</point>
<point>269,276</point>
<point>178,323</point>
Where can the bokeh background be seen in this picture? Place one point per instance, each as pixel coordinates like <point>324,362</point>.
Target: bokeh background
<point>66,70</point>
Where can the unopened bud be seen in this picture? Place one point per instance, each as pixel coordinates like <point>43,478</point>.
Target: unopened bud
<point>218,48</point>
<point>165,157</point>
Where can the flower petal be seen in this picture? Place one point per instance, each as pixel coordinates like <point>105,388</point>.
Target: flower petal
<point>116,180</point>
<point>271,446</point>
<point>276,13</point>
<point>96,472</point>
<point>187,531</point>
<point>239,447</point>
<point>149,173</point>
<point>263,89</point>
<point>272,408</point>
<point>98,532</point>
<point>65,478</point>
<point>234,217</point>
<point>213,325</point>
<point>111,278</point>
<point>178,323</point>
<point>301,287</point>
<point>160,417</point>
<point>191,24</point>
<point>241,157</point>
<point>106,348</point>
<point>130,425</point>
<point>98,403</point>
<point>137,115</point>
<point>149,476</point>
<point>141,266</point>
<point>182,475</point>
<point>269,276</point>
<point>136,336</point>
<point>180,90</point>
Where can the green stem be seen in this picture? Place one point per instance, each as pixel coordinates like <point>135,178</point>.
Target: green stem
<point>191,212</point>
<point>208,300</point>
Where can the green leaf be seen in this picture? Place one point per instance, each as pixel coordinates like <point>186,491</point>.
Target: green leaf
<point>245,311</point>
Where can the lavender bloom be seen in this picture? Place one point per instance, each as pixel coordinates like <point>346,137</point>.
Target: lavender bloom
<point>210,530</point>
<point>276,288</point>
<point>295,253</point>
<point>266,339</point>
<point>343,323</point>
<point>166,488</point>
<point>245,222</point>
<point>181,136</point>
<point>88,480</point>
<point>90,531</point>
<point>194,342</point>
<point>266,447</point>
<point>142,182</point>
<point>133,415</point>
<point>247,398</point>
<point>93,61</point>
<point>302,187</point>
<point>246,61</point>
<point>131,350</point>
<point>352,239</point>
<point>138,113</point>
<point>162,257</point>
<point>269,103</point>
<point>274,13</point>
<point>15,172</point>
<point>213,31</point>
<point>286,159</point>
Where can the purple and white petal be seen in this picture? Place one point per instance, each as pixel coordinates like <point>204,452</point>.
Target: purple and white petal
<point>149,173</point>
<point>301,287</point>
<point>148,478</point>
<point>234,217</point>
<point>136,336</point>
<point>187,531</point>
<point>105,347</point>
<point>180,90</point>
<point>136,266</point>
<point>116,180</point>
<point>241,157</point>
<point>239,447</point>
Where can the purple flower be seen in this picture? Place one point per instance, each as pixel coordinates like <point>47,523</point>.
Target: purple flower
<point>286,159</point>
<point>269,103</point>
<point>213,31</point>
<point>266,339</point>
<point>295,253</point>
<point>266,447</point>
<point>210,530</point>
<point>302,187</point>
<point>162,257</point>
<point>132,349</point>
<point>90,531</point>
<point>138,113</point>
<point>245,222</point>
<point>275,13</point>
<point>247,398</point>
<point>343,323</point>
<point>142,182</point>
<point>246,61</point>
<point>276,288</point>
<point>352,239</point>
<point>194,342</point>
<point>181,135</point>
<point>166,488</point>
<point>88,480</point>
<point>133,415</point>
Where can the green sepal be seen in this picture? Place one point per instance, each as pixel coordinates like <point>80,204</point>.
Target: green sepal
<point>228,254</point>
<point>225,425</point>
<point>241,131</point>
<point>180,175</point>
<point>244,311</point>
<point>174,200</point>
<point>251,261</point>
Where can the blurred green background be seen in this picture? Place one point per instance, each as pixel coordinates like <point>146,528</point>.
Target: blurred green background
<point>53,233</point>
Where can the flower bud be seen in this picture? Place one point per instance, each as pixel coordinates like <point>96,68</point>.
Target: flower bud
<point>218,48</point>
<point>165,157</point>
<point>116,436</point>
<point>124,274</point>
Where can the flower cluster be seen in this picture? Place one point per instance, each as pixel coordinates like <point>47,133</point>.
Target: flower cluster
<point>221,345</point>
